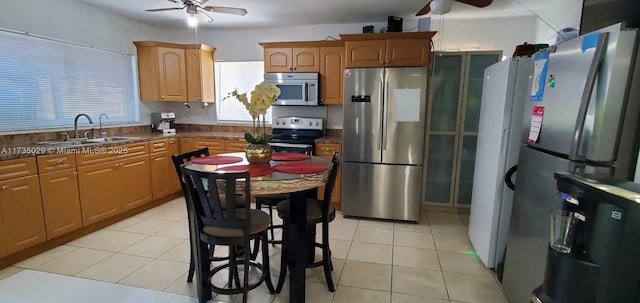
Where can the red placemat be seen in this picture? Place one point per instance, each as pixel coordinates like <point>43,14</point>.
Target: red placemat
<point>214,160</point>
<point>254,170</point>
<point>288,156</point>
<point>300,168</point>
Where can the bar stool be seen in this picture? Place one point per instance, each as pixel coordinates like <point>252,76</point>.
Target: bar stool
<point>233,226</point>
<point>318,212</point>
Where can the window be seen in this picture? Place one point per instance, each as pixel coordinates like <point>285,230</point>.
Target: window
<point>237,75</point>
<point>45,83</point>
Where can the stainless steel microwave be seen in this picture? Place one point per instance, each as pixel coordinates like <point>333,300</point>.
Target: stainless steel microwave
<point>295,88</point>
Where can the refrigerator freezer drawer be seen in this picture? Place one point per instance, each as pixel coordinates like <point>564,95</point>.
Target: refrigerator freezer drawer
<point>381,191</point>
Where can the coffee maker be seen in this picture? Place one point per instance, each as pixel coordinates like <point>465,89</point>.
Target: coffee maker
<point>600,259</point>
<point>161,122</point>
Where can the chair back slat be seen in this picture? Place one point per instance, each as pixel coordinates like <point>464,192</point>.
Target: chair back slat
<point>180,159</point>
<point>331,180</point>
<point>205,193</point>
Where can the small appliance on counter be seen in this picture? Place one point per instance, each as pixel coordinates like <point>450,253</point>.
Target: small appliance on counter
<point>593,252</point>
<point>161,122</point>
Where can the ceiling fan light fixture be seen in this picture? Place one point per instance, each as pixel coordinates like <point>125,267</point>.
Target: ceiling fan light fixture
<point>192,21</point>
<point>441,7</point>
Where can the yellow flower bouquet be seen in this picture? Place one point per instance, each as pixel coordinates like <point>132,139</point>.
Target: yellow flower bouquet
<point>262,97</point>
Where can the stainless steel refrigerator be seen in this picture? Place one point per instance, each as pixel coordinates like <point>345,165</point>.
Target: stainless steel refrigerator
<point>582,117</point>
<point>383,142</point>
<point>504,93</point>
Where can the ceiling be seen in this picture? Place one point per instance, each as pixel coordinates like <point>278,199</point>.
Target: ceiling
<point>263,13</point>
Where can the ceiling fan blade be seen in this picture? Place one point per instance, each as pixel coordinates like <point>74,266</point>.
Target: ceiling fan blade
<point>163,9</point>
<point>477,3</point>
<point>226,10</point>
<point>204,13</point>
<point>425,10</point>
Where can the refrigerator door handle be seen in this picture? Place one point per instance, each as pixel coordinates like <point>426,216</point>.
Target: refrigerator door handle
<point>598,56</point>
<point>386,115</point>
<point>509,175</point>
<point>380,109</point>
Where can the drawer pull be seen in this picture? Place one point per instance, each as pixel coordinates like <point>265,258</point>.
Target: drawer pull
<point>60,162</point>
<point>5,187</point>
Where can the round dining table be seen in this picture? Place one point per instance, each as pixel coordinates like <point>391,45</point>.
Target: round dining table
<point>298,186</point>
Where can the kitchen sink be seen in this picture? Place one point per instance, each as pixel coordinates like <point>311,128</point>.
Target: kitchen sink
<point>87,141</point>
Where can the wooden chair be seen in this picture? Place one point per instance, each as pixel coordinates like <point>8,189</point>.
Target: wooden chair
<point>230,225</point>
<point>318,212</point>
<point>179,160</point>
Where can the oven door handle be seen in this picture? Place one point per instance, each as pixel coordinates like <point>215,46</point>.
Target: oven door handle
<point>306,91</point>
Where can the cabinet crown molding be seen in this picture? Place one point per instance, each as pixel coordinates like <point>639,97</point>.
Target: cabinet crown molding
<point>173,45</point>
<point>383,36</point>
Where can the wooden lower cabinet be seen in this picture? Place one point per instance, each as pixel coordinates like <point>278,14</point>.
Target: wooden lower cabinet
<point>99,186</point>
<point>215,146</point>
<point>135,182</point>
<point>3,239</point>
<point>326,151</point>
<point>231,145</point>
<point>174,149</point>
<point>109,188</point>
<point>60,202</point>
<point>162,175</point>
<point>21,209</point>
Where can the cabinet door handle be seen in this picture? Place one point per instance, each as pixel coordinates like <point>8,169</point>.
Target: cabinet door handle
<point>162,97</point>
<point>75,173</point>
<point>5,187</point>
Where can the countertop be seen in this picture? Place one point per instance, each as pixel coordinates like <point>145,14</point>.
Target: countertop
<point>18,151</point>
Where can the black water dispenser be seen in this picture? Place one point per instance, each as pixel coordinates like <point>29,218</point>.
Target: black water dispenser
<point>594,250</point>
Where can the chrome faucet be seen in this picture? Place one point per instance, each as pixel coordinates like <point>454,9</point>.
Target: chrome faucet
<point>103,134</point>
<point>75,123</point>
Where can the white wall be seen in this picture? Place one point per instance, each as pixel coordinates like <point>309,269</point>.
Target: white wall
<point>482,34</point>
<point>72,21</point>
<point>552,18</point>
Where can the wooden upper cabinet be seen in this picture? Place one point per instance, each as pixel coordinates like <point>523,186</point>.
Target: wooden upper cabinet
<point>200,75</point>
<point>175,72</point>
<point>407,52</point>
<point>285,58</point>
<point>368,53</point>
<point>331,68</point>
<point>306,60</point>
<point>172,74</point>
<point>277,60</point>
<point>387,49</point>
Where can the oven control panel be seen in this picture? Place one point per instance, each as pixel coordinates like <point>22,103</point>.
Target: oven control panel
<point>298,123</point>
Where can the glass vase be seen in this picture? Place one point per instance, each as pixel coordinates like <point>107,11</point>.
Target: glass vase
<point>258,153</point>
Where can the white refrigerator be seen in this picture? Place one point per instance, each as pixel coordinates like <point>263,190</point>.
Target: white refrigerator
<point>504,92</point>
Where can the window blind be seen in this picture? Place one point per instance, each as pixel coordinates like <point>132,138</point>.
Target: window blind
<point>243,76</point>
<point>45,83</point>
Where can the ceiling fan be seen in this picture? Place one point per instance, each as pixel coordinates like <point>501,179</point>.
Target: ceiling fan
<point>193,7</point>
<point>444,6</point>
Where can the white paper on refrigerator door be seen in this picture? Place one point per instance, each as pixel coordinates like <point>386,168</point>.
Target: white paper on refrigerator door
<point>407,104</point>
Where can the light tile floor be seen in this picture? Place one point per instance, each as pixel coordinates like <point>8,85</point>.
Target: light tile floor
<point>145,259</point>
